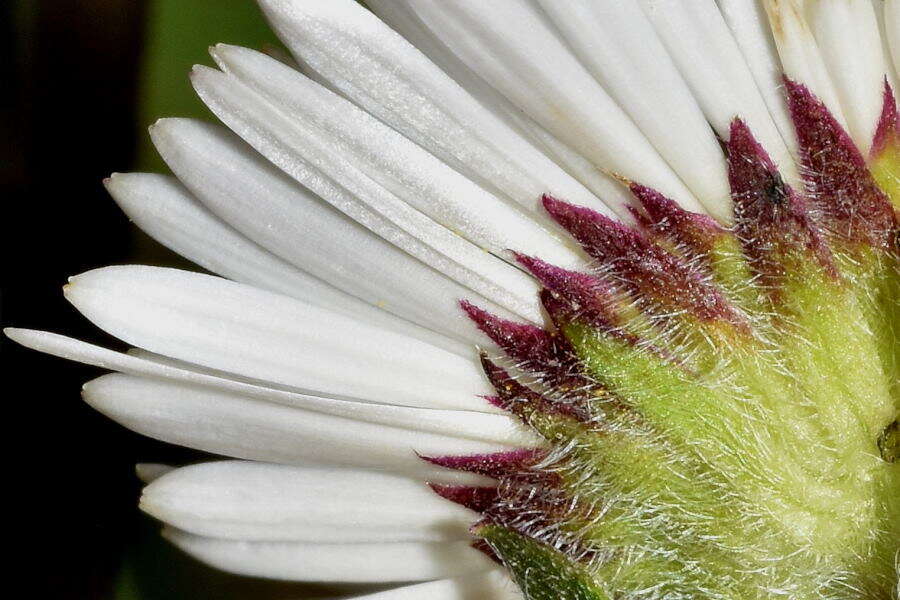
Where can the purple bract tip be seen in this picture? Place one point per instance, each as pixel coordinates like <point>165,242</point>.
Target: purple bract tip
<point>649,270</point>
<point>474,498</point>
<point>693,232</point>
<point>496,465</point>
<point>771,219</point>
<point>852,206</point>
<point>887,132</point>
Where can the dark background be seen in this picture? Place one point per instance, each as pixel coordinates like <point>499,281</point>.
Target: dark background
<point>83,79</point>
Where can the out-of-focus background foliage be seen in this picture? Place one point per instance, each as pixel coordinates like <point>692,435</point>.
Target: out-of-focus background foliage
<point>177,35</point>
<point>83,79</point>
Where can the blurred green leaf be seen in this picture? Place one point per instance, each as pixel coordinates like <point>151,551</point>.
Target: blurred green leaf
<point>178,36</point>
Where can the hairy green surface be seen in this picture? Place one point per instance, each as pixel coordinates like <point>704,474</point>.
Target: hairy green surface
<point>758,467</point>
<point>736,432</point>
<point>542,573</point>
<point>765,472</point>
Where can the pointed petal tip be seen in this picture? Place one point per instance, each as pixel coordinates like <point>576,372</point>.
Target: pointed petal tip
<point>199,72</point>
<point>90,396</point>
<point>164,125</point>
<point>18,335</point>
<point>220,47</point>
<point>157,128</point>
<point>77,287</point>
<point>117,179</point>
<point>96,394</point>
<point>152,502</point>
<point>117,182</point>
<point>169,134</point>
<point>222,52</point>
<point>29,338</point>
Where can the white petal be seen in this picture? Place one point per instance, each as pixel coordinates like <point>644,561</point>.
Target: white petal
<point>700,43</point>
<point>750,26</point>
<point>251,501</point>
<point>239,329</point>
<point>167,212</point>
<point>494,585</point>
<point>617,44</point>
<point>406,169</point>
<point>333,17</point>
<point>848,36</point>
<point>236,426</point>
<point>263,203</point>
<point>892,29</point>
<point>312,156</point>
<point>800,55</point>
<point>402,19</point>
<point>380,71</point>
<point>613,192</point>
<point>881,14</point>
<point>486,427</point>
<point>347,563</point>
<point>510,45</point>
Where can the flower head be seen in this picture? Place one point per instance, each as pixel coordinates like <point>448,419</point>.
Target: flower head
<point>672,229</point>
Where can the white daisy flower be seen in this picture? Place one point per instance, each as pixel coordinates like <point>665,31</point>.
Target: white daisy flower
<point>669,225</point>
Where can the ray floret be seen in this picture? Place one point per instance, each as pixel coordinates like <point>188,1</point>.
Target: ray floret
<point>526,299</point>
